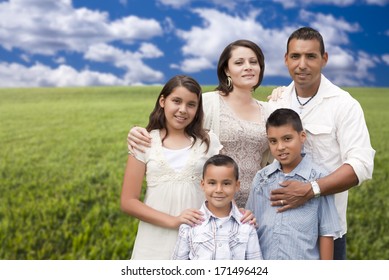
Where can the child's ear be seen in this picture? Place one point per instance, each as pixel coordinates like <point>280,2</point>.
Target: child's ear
<point>303,136</point>
<point>237,187</point>
<point>162,101</point>
<point>202,184</point>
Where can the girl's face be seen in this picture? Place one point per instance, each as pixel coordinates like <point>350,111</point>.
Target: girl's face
<point>243,68</point>
<point>180,108</point>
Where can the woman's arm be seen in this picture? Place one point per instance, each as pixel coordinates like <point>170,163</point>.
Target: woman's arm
<point>131,204</point>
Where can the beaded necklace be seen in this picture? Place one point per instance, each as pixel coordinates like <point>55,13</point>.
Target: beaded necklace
<point>305,103</point>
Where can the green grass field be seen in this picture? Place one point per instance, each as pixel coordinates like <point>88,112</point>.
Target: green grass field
<point>63,153</point>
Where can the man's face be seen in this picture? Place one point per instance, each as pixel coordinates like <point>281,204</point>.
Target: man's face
<point>304,63</point>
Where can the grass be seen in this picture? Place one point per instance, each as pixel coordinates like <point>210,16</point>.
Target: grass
<point>62,157</point>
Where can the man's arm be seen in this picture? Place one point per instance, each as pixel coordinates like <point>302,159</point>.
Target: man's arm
<point>296,193</point>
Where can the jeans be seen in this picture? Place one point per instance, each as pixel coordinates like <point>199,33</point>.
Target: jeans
<point>340,248</point>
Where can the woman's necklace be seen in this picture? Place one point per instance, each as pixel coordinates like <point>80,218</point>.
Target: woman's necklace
<point>305,103</point>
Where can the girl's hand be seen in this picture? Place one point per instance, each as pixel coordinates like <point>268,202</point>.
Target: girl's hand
<point>248,217</point>
<point>190,217</point>
<point>138,138</point>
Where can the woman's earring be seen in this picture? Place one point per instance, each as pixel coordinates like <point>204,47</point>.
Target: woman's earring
<point>229,82</point>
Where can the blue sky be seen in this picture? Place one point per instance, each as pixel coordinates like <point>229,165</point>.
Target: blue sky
<point>133,42</point>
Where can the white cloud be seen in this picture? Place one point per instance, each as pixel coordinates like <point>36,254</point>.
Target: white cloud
<point>333,30</point>
<point>340,3</point>
<point>351,69</point>
<point>203,45</point>
<point>299,3</point>
<point>131,62</point>
<point>385,58</point>
<point>175,3</point>
<point>202,48</point>
<point>123,2</point>
<point>16,75</point>
<point>46,27</point>
<point>377,2</point>
<point>59,60</point>
<point>25,58</point>
<point>56,28</point>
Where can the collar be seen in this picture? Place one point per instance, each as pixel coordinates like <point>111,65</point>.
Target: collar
<point>303,169</point>
<point>325,89</point>
<point>208,215</point>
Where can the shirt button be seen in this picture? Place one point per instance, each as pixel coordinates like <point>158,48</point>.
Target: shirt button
<point>220,244</point>
<point>221,226</point>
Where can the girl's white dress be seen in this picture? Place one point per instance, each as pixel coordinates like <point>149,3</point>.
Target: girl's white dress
<point>170,192</point>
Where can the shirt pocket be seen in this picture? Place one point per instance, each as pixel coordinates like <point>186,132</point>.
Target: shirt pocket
<point>238,245</point>
<point>203,246</point>
<point>320,140</point>
<point>304,218</point>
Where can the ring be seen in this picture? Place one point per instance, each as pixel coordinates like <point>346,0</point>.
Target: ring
<point>282,202</point>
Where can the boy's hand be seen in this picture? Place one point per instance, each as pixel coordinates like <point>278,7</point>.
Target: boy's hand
<point>248,217</point>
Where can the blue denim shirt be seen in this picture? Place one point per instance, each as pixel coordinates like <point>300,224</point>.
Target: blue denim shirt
<point>214,239</point>
<point>292,234</point>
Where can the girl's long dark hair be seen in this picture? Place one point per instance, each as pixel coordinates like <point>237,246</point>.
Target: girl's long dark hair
<point>195,129</point>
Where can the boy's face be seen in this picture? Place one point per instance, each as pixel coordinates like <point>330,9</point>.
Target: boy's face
<point>219,186</point>
<point>285,145</point>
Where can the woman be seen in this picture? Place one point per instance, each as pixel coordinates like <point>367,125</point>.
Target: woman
<point>233,114</point>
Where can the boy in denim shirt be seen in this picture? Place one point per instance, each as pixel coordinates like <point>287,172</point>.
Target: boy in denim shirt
<point>221,236</point>
<point>305,232</point>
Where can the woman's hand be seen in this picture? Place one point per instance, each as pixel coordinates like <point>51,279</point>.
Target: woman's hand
<point>138,138</point>
<point>276,93</point>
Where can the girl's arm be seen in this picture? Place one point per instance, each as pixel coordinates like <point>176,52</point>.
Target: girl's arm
<point>326,248</point>
<point>131,204</point>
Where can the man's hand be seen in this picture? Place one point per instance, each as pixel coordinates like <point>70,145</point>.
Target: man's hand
<point>292,194</point>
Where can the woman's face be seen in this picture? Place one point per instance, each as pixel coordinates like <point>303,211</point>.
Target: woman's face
<point>243,68</point>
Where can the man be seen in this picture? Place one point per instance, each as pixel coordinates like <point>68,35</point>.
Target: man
<point>337,136</point>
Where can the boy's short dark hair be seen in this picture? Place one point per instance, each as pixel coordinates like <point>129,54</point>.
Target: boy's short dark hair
<point>222,160</point>
<point>284,116</point>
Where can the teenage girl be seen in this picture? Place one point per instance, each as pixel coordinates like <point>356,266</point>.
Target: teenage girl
<point>172,166</point>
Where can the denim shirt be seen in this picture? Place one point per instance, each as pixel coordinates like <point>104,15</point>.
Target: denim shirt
<point>292,234</point>
<point>216,238</point>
